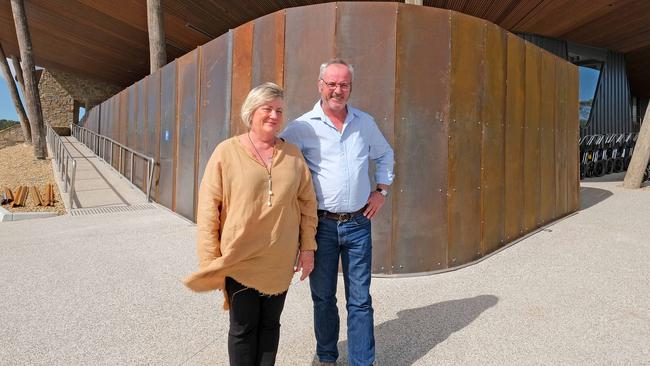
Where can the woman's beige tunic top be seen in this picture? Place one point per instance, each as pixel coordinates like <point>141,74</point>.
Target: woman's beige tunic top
<point>239,235</point>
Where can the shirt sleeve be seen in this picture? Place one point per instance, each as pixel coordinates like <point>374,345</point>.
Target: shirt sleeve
<point>308,210</point>
<point>382,154</point>
<point>208,218</point>
<point>291,135</point>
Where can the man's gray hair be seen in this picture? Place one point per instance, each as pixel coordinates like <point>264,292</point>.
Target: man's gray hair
<point>335,61</point>
<point>256,98</point>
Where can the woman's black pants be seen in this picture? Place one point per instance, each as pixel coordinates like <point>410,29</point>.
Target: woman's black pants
<point>254,325</point>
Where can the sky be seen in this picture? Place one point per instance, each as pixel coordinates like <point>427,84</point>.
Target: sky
<point>7,109</point>
<point>588,82</point>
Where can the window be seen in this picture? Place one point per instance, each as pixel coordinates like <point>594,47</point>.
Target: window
<point>589,79</point>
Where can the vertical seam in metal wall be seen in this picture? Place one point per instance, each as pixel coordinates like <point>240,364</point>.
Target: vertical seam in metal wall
<point>229,83</point>
<point>393,215</point>
<point>176,135</point>
<point>197,129</point>
<point>449,116</point>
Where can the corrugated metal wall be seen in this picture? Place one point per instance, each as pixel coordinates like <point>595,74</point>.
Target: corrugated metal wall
<point>612,110</point>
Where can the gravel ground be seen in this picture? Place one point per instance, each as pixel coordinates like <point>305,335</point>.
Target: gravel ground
<point>19,167</point>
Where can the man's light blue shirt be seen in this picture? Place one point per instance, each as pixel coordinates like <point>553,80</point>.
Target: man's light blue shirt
<point>339,160</point>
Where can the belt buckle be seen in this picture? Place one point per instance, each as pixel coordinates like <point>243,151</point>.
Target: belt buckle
<point>344,217</point>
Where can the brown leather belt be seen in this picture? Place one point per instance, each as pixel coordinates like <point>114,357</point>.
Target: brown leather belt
<point>340,217</point>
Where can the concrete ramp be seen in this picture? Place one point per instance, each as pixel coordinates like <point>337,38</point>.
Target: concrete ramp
<point>97,184</point>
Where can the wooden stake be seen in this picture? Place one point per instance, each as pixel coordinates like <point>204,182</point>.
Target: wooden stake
<point>29,73</point>
<point>36,196</point>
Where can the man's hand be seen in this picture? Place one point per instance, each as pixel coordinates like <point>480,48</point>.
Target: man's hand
<point>305,263</point>
<point>375,201</point>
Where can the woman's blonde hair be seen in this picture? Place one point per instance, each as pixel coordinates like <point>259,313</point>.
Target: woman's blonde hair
<point>256,98</point>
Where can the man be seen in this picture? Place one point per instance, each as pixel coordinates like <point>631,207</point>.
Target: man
<point>338,141</point>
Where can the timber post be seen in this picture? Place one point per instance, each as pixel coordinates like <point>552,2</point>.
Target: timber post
<point>157,52</point>
<point>640,156</point>
<point>13,91</point>
<point>29,74</point>
<point>19,73</point>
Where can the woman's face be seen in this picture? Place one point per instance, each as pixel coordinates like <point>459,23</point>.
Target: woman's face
<point>267,118</point>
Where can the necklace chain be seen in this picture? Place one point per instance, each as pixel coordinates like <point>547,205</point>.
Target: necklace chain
<point>268,168</point>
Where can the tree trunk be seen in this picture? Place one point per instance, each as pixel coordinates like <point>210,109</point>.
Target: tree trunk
<point>640,155</point>
<point>13,91</point>
<point>29,73</point>
<point>157,52</point>
<point>19,73</point>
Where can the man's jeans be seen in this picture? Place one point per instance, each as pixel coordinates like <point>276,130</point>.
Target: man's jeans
<point>350,239</point>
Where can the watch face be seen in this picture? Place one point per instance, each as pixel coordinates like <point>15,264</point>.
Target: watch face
<point>383,192</point>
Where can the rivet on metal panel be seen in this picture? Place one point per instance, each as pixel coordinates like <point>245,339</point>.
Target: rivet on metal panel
<point>401,266</point>
<point>438,263</point>
<point>453,259</point>
<point>439,189</point>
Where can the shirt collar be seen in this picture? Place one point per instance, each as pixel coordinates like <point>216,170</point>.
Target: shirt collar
<point>317,113</point>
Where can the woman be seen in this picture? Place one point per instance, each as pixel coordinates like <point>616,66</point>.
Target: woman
<point>256,212</point>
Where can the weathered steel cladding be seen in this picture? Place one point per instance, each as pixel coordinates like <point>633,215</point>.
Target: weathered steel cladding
<point>168,136</point>
<point>363,36</point>
<point>421,116</point>
<point>214,111</point>
<point>152,132</point>
<point>241,73</point>
<point>493,102</point>
<point>464,169</point>
<point>547,141</point>
<point>188,78</point>
<point>483,124</point>
<point>309,40</point>
<point>514,137</point>
<point>531,154</point>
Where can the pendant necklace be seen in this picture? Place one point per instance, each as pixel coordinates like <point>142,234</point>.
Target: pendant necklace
<point>268,169</point>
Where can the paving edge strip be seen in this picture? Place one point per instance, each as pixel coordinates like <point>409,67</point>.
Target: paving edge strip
<point>6,215</point>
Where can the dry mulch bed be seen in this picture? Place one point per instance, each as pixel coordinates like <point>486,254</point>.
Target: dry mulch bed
<point>19,167</point>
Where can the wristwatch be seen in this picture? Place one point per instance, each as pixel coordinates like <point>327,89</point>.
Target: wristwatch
<point>383,192</point>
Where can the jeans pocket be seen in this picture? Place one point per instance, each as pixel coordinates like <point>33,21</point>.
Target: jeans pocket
<point>361,220</point>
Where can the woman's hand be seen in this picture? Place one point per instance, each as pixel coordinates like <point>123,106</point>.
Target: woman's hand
<point>305,263</point>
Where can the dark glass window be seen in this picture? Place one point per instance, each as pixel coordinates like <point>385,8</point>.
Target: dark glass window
<point>589,79</point>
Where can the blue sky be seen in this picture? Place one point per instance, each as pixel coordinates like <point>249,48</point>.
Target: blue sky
<point>588,82</point>
<point>7,109</point>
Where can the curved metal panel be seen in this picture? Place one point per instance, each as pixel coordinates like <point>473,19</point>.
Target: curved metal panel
<point>168,159</point>
<point>242,50</point>
<point>152,123</point>
<point>514,138</point>
<point>363,36</point>
<point>547,141</point>
<point>309,41</point>
<point>139,167</point>
<point>188,73</point>
<point>561,175</point>
<point>493,140</point>
<point>421,113</point>
<point>214,112</point>
<point>573,150</point>
<point>268,49</point>
<point>531,138</point>
<point>467,80</point>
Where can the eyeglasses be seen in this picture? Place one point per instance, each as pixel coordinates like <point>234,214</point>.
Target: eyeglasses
<point>332,85</point>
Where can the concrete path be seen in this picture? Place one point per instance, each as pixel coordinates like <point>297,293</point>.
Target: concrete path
<point>106,290</point>
<point>97,184</point>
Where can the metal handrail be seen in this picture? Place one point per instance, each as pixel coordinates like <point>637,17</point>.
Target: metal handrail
<point>63,159</point>
<point>102,145</point>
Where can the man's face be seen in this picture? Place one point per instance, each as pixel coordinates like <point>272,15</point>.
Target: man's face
<point>335,87</point>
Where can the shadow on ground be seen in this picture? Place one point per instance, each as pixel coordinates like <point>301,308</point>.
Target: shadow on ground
<point>591,196</point>
<point>415,332</point>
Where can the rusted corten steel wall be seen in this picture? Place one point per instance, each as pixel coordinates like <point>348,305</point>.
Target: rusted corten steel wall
<point>484,124</point>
